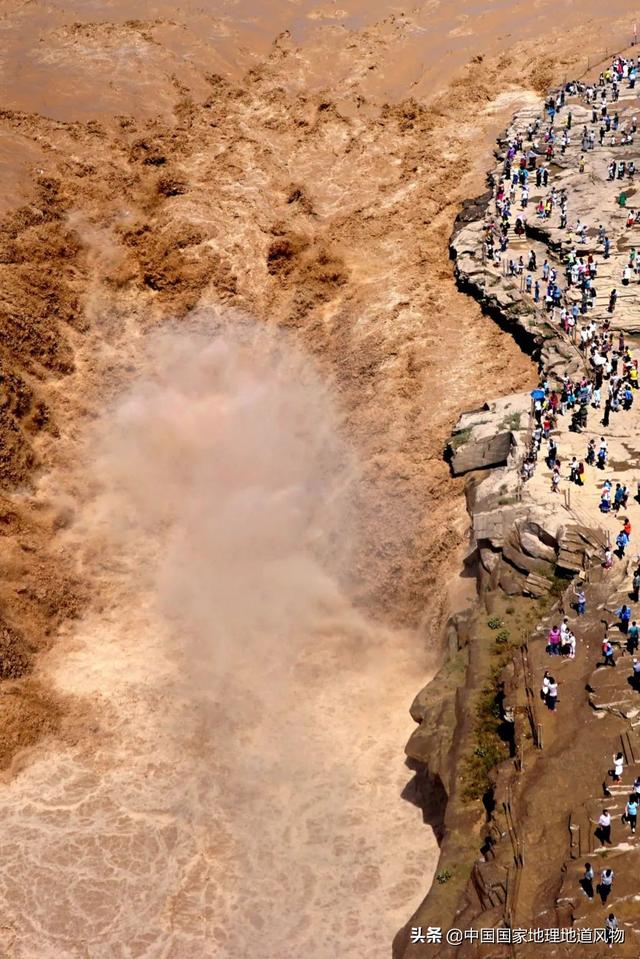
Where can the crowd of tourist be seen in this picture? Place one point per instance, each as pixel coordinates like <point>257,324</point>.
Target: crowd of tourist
<point>567,290</point>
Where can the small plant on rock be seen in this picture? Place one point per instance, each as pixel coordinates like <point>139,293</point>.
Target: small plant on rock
<point>494,622</point>
<point>503,637</point>
<point>444,875</point>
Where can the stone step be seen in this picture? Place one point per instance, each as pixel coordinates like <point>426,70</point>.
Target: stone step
<point>596,804</point>
<point>630,740</point>
<point>621,847</point>
<point>581,833</point>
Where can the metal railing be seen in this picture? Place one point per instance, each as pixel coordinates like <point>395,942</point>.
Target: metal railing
<point>531,706</point>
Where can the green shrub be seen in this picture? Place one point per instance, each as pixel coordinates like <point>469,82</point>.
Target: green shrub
<point>512,421</point>
<point>503,637</point>
<point>444,875</point>
<point>459,439</point>
<point>489,752</point>
<point>494,622</point>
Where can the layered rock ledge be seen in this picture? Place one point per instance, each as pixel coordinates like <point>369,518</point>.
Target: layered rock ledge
<point>516,788</point>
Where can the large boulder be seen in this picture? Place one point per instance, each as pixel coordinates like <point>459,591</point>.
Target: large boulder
<point>512,582</point>
<point>489,559</point>
<point>480,454</point>
<point>494,526</point>
<point>535,547</point>
<point>524,563</point>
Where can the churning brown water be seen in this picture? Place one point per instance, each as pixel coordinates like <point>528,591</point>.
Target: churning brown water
<point>238,795</point>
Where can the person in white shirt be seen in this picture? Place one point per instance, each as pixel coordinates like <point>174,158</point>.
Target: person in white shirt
<point>587,880</point>
<point>604,827</point>
<point>606,882</point>
<point>610,927</point>
<point>544,691</point>
<point>618,767</point>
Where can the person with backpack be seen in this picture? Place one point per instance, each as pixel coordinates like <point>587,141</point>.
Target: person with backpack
<point>586,882</point>
<point>624,615</point>
<point>606,882</point>
<point>617,497</point>
<point>607,653</point>
<point>553,641</point>
<point>610,929</point>
<point>602,457</point>
<point>636,585</point>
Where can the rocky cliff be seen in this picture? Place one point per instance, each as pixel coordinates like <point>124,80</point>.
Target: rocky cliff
<point>514,808</point>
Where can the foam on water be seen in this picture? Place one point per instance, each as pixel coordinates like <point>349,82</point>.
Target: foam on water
<point>240,792</point>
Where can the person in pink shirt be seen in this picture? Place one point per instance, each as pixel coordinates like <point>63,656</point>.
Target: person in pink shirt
<point>553,641</point>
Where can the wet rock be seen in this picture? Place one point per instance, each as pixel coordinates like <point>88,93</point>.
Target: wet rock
<point>472,210</point>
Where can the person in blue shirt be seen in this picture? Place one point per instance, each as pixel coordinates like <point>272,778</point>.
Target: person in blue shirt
<point>631,812</point>
<point>627,398</point>
<point>624,615</point>
<point>622,541</point>
<point>617,499</point>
